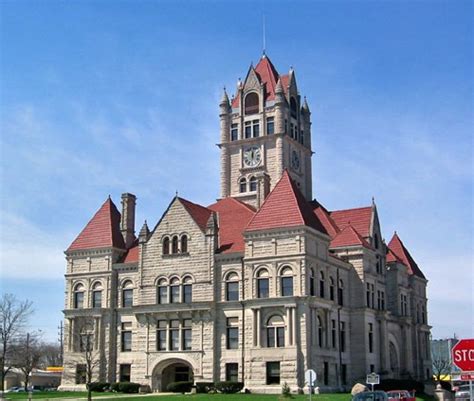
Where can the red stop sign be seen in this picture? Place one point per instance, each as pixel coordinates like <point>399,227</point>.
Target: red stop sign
<point>463,355</point>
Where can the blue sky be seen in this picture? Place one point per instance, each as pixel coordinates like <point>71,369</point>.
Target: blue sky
<point>102,97</point>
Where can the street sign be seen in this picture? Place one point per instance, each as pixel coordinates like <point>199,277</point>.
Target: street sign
<point>373,378</point>
<point>467,377</point>
<point>310,377</point>
<point>463,355</point>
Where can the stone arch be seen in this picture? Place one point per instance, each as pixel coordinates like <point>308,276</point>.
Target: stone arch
<point>394,356</point>
<point>170,370</point>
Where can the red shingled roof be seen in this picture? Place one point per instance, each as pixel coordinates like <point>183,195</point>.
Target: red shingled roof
<point>323,215</point>
<point>348,237</point>
<point>132,255</point>
<point>233,218</point>
<point>397,247</point>
<point>285,206</point>
<point>391,257</point>
<point>102,231</point>
<point>359,218</point>
<point>199,213</point>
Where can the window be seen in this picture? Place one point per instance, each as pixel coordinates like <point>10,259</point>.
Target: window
<point>252,184</point>
<point>379,300</point>
<point>376,241</point>
<point>286,282</point>
<point>262,284</point>
<point>371,337</point>
<point>174,291</point>
<point>166,246</point>
<point>127,294</point>
<point>342,337</point>
<point>234,132</point>
<point>252,129</point>
<point>187,335</point>
<point>321,284</point>
<point>232,341</point>
<point>256,128</point>
<point>232,287</point>
<point>162,293</point>
<point>367,293</point>
<point>174,335</point>
<point>383,300</point>
<point>302,137</point>
<point>320,332</point>
<point>125,372</point>
<point>243,185</point>
<point>270,125</point>
<point>97,295</point>
<point>273,372</point>
<point>184,243</point>
<point>326,373</point>
<point>251,104</point>
<point>372,368</point>
<point>331,288</point>
<point>311,283</point>
<point>340,293</point>
<point>174,244</point>
<point>248,129</point>
<point>126,336</point>
<point>161,335</point>
<point>372,295</point>
<point>79,296</point>
<point>275,332</point>
<point>333,333</point>
<point>293,108</point>
<point>423,314</point>
<point>344,374</point>
<point>187,290</point>
<point>81,376</point>
<point>232,372</point>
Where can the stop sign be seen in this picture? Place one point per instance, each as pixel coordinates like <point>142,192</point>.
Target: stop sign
<point>463,355</point>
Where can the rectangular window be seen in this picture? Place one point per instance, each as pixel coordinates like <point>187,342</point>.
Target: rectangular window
<point>367,293</point>
<point>340,296</point>
<point>125,370</point>
<point>174,335</point>
<point>248,129</point>
<point>302,137</point>
<point>126,337</point>
<point>326,373</point>
<point>321,288</point>
<point>292,130</point>
<point>371,337</point>
<point>273,372</point>
<point>187,293</point>
<point>234,132</point>
<point>379,300</point>
<point>262,290</point>
<point>280,336</point>
<point>163,295</point>
<point>187,335</point>
<point>333,333</point>
<point>372,295</point>
<point>256,128</point>
<point>372,368</point>
<point>232,333</point>
<point>127,300</point>
<point>383,300</point>
<point>270,125</point>
<point>81,377</point>
<point>174,289</point>
<point>161,335</point>
<point>344,374</point>
<point>311,286</point>
<point>270,337</point>
<point>287,286</point>
<point>343,337</point>
<point>97,299</point>
<point>78,300</point>
<point>232,372</point>
<point>232,291</point>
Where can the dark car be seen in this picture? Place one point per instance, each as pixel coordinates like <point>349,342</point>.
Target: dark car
<point>371,396</point>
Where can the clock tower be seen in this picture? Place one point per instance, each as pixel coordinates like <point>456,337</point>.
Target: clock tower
<point>265,129</point>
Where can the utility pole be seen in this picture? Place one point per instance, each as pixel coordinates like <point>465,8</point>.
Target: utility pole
<point>61,340</point>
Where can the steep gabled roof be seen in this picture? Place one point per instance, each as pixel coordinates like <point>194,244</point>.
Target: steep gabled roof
<point>233,217</point>
<point>396,246</point>
<point>285,206</point>
<point>102,231</point>
<point>323,215</point>
<point>200,214</point>
<point>348,237</point>
<point>359,218</point>
<point>391,257</point>
<point>132,254</point>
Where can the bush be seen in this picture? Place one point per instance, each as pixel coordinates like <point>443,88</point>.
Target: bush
<point>400,384</point>
<point>179,387</point>
<point>229,387</point>
<point>204,387</point>
<point>125,387</point>
<point>286,391</point>
<point>99,387</point>
<point>115,387</point>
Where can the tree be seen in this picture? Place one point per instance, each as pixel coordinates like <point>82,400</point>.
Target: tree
<point>51,355</point>
<point>14,315</point>
<point>27,355</point>
<point>441,366</point>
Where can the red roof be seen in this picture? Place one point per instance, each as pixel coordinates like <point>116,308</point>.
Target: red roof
<point>348,237</point>
<point>285,206</point>
<point>233,218</point>
<point>132,254</point>
<point>323,215</point>
<point>200,214</point>
<point>391,257</point>
<point>359,218</point>
<point>102,231</point>
<point>397,247</point>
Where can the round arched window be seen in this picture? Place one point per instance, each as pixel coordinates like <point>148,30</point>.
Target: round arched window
<point>251,103</point>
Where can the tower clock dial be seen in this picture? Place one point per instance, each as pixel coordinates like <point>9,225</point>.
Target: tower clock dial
<point>295,160</point>
<point>252,156</point>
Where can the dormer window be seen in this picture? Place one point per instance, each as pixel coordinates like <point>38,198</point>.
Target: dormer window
<point>251,104</point>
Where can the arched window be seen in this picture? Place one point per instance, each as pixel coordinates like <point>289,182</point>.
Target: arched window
<point>184,243</point>
<point>127,294</point>
<point>321,284</point>
<point>174,291</point>
<point>340,293</point>
<point>293,108</point>
<point>251,103</point>
<point>376,241</point>
<point>97,295</point>
<point>311,282</point>
<point>286,282</point>
<point>166,246</point>
<point>243,185</point>
<point>187,290</point>
<point>320,331</point>
<point>263,284</point>
<point>276,331</point>
<point>232,287</point>
<point>79,296</point>
<point>331,288</point>
<point>162,292</point>
<point>174,244</point>
<point>253,184</point>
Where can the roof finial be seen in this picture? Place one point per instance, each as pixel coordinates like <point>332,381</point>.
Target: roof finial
<point>264,36</point>
<point>176,193</point>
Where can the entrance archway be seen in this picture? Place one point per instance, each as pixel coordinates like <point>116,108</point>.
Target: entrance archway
<point>169,371</point>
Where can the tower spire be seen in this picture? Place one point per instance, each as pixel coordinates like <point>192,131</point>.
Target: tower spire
<point>263,35</point>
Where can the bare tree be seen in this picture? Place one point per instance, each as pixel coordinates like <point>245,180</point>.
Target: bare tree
<point>441,366</point>
<point>50,355</point>
<point>27,355</point>
<point>14,315</point>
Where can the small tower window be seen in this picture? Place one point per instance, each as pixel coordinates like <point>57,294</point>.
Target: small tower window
<point>243,185</point>
<point>293,108</point>
<point>234,132</point>
<point>184,243</point>
<point>251,103</point>
<point>174,244</point>
<point>166,246</point>
<point>253,184</point>
<point>270,125</point>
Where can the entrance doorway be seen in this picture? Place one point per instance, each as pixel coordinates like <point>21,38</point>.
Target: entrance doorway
<point>171,371</point>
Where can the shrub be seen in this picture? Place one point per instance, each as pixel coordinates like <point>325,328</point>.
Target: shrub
<point>229,387</point>
<point>125,387</point>
<point>115,387</point>
<point>99,387</point>
<point>179,387</point>
<point>204,387</point>
<point>285,390</point>
<point>400,384</point>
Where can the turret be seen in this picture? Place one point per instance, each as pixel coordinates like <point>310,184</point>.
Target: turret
<point>127,221</point>
<point>224,115</point>
<point>306,123</point>
<point>279,106</point>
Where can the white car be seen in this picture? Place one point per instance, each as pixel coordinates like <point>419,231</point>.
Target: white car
<point>463,393</point>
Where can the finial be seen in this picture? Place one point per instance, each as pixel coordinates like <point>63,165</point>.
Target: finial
<point>225,98</point>
<point>176,193</point>
<point>109,197</point>
<point>373,201</point>
<point>279,87</point>
<point>239,83</point>
<point>263,32</point>
<point>305,105</point>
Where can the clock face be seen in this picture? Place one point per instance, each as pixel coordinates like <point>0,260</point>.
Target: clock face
<point>295,160</point>
<point>252,156</point>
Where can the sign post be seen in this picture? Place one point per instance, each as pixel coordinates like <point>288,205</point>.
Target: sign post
<point>463,358</point>
<point>373,378</point>
<point>310,377</point>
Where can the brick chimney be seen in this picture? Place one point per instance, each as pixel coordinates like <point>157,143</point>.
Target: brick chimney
<point>127,223</point>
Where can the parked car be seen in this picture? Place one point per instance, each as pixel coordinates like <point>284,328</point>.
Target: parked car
<point>402,395</point>
<point>463,393</point>
<point>371,396</point>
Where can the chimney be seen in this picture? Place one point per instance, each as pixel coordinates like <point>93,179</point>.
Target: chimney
<point>127,223</point>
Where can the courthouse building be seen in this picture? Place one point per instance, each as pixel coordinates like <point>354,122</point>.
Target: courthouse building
<point>257,287</point>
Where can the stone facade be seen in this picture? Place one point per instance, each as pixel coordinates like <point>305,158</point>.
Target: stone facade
<point>176,303</point>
